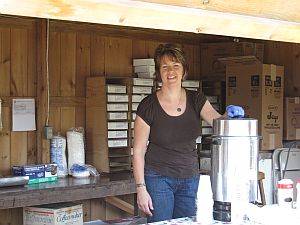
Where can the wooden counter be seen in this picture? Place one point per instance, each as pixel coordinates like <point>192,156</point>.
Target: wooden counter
<point>66,190</point>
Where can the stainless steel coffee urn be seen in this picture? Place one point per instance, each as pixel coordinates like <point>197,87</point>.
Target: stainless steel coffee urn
<point>235,146</point>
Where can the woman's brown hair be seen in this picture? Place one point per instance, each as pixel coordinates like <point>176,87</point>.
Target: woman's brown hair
<point>174,53</point>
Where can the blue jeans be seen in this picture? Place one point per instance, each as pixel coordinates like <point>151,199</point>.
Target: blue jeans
<point>171,197</point>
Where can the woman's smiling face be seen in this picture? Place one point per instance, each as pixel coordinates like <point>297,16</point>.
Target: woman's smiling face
<point>171,71</point>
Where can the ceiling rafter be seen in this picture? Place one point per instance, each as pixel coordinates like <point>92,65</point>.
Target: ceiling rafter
<point>256,19</point>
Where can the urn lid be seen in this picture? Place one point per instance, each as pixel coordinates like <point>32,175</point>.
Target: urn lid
<point>240,127</point>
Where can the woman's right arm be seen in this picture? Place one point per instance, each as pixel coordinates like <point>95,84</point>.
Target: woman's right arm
<point>141,136</point>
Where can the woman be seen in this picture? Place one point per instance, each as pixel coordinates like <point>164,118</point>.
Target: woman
<point>166,168</point>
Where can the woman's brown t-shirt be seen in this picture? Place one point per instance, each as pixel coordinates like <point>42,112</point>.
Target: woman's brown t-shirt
<point>172,141</point>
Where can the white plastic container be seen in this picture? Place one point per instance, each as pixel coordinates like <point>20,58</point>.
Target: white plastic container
<point>285,192</point>
<point>298,194</point>
<point>58,155</point>
<point>205,202</point>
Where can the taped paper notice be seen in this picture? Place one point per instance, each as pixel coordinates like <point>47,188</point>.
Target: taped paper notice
<point>23,115</point>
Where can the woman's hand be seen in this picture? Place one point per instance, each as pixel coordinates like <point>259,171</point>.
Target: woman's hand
<point>144,201</point>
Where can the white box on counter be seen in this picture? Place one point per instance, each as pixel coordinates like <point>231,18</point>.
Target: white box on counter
<point>54,214</point>
<point>143,62</point>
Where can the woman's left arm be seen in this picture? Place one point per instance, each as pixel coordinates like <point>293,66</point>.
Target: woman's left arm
<point>208,113</point>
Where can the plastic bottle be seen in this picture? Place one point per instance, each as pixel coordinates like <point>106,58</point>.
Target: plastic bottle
<point>285,192</point>
<point>298,194</point>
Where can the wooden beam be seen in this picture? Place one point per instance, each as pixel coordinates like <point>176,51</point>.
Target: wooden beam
<point>272,9</point>
<point>67,101</point>
<point>43,145</point>
<point>121,204</point>
<point>218,18</point>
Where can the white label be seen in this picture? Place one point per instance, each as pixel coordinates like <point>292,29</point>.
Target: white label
<point>141,90</point>
<point>143,81</point>
<point>117,125</point>
<point>112,88</point>
<point>117,107</point>
<point>117,116</point>
<point>117,98</point>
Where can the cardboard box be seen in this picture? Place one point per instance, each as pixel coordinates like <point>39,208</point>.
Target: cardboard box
<point>37,173</point>
<point>54,214</point>
<point>211,67</point>
<point>258,88</point>
<point>291,115</point>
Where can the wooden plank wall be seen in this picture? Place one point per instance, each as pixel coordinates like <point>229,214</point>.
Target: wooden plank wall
<point>76,51</point>
<point>288,55</point>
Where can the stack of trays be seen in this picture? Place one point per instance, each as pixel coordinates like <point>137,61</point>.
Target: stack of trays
<point>144,68</point>
<point>117,114</point>
<point>140,89</point>
<point>117,126</point>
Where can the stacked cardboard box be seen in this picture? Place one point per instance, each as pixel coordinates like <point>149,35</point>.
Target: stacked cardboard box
<point>144,68</point>
<point>291,123</point>
<point>258,88</point>
<point>212,68</point>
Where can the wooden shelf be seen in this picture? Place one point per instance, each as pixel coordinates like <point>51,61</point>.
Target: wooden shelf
<point>66,190</point>
<point>101,153</point>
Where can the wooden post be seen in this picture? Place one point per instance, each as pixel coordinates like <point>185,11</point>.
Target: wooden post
<point>43,145</point>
